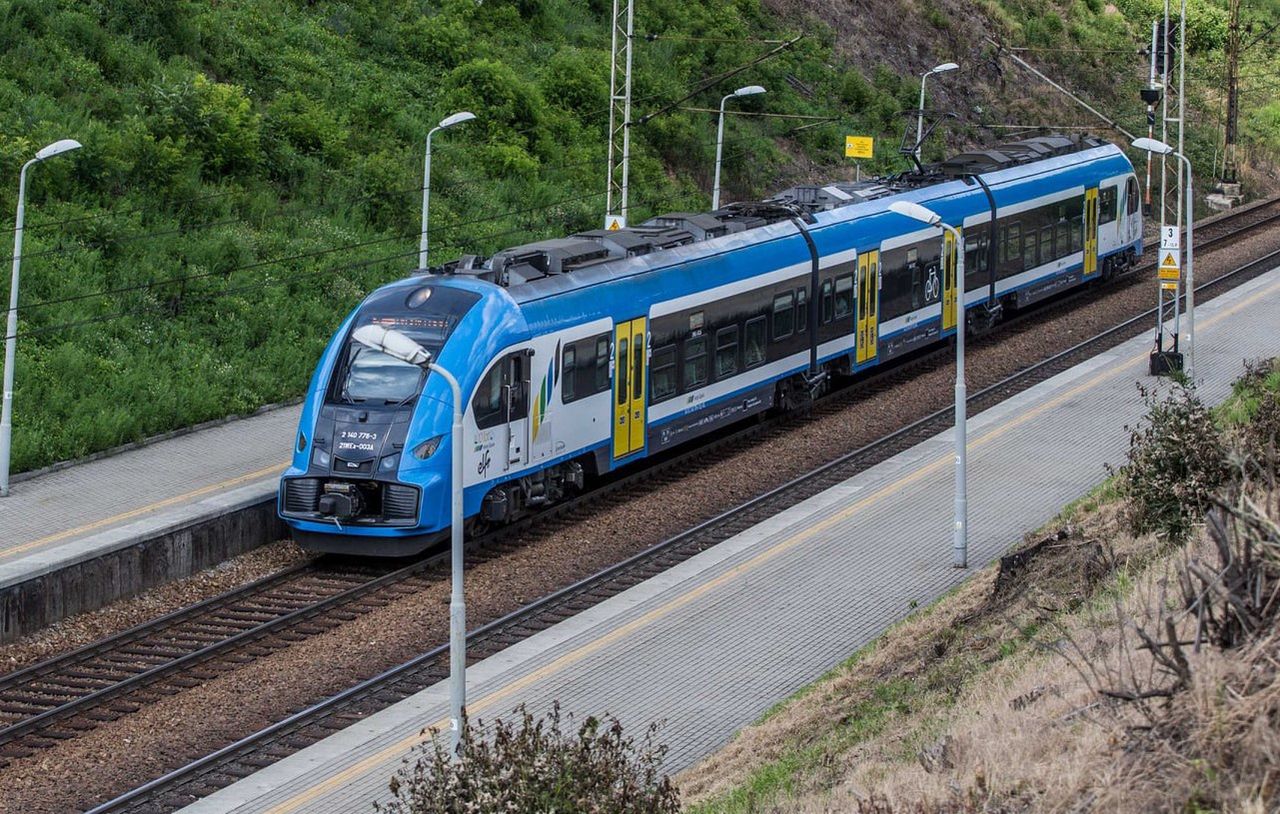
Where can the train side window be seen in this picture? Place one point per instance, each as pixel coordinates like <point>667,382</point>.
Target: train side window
<point>1063,237</point>
<point>844,296</point>
<point>1106,205</point>
<point>1131,196</point>
<point>726,352</point>
<point>828,306</point>
<point>1029,250</point>
<point>662,374</point>
<point>1077,233</point>
<point>1013,243</point>
<point>802,310</point>
<point>784,316</point>
<point>637,370</point>
<point>487,403</point>
<point>753,342</point>
<point>569,374</point>
<point>519,393</point>
<point>602,364</point>
<point>695,363</point>
<point>622,372</point>
<point>1046,244</point>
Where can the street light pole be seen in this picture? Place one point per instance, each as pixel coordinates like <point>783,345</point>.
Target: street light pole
<point>960,522</point>
<point>1160,148</point>
<point>403,347</point>
<point>11,325</point>
<point>943,68</point>
<point>457,600</point>
<point>750,90</point>
<point>448,121</point>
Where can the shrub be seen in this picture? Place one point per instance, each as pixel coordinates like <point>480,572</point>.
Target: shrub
<point>536,766</point>
<point>1176,461</point>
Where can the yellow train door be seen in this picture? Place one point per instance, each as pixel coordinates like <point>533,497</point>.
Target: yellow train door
<point>630,360</point>
<point>868,306</point>
<point>1090,231</point>
<point>948,281</point>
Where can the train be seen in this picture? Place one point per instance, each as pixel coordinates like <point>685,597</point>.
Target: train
<point>579,355</point>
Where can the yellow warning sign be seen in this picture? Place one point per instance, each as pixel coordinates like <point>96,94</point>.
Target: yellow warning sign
<point>1168,286</point>
<point>615,222</point>
<point>859,146</point>
<point>1169,273</point>
<point>1169,260</point>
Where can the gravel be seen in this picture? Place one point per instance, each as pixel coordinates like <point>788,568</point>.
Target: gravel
<point>161,736</point>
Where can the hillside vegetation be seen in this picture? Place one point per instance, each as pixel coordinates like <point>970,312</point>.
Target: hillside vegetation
<point>251,169</point>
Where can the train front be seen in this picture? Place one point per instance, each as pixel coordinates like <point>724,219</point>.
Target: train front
<point>370,472</point>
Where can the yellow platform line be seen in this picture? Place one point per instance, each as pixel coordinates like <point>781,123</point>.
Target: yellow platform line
<point>231,483</point>
<point>574,656</point>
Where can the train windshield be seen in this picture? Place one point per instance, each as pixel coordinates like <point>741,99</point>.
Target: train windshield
<point>427,315</point>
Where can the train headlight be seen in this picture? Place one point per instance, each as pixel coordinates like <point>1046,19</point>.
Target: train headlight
<point>320,458</point>
<point>389,463</point>
<point>427,448</point>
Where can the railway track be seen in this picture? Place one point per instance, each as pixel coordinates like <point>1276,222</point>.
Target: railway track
<point>244,757</point>
<point>68,695</point>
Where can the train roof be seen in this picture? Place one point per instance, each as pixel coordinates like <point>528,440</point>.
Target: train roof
<point>559,264</point>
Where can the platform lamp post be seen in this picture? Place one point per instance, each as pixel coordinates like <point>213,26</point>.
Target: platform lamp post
<point>446,122</point>
<point>1160,148</point>
<point>749,90</point>
<point>66,145</point>
<point>943,68</point>
<point>960,539</point>
<point>398,346</point>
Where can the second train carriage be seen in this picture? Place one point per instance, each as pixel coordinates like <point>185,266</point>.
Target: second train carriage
<point>582,354</point>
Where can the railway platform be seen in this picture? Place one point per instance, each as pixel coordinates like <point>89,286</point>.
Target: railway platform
<point>76,537</point>
<point>709,645</point>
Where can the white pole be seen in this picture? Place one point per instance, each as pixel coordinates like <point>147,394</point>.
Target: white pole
<point>426,200</point>
<point>11,335</point>
<point>457,600</point>
<point>1191,276</point>
<point>960,542</point>
<point>920,115</point>
<point>626,115</point>
<point>715,186</point>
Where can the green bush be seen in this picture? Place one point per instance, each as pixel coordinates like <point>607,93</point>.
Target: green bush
<point>1177,460</point>
<point>535,765</point>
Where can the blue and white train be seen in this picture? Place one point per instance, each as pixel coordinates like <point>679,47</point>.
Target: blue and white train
<point>582,354</point>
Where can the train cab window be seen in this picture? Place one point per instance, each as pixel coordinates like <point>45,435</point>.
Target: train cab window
<point>844,296</point>
<point>569,374</point>
<point>502,393</point>
<point>1029,250</point>
<point>828,304</point>
<point>753,342</point>
<point>1131,193</point>
<point>622,372</point>
<point>602,364</point>
<point>1107,204</point>
<point>662,374</point>
<point>802,310</point>
<point>726,352</point>
<point>487,403</point>
<point>695,363</point>
<point>784,316</point>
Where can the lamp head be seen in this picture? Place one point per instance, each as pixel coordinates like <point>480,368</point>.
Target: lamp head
<point>749,90</point>
<point>66,145</point>
<point>456,118</point>
<point>944,67</point>
<point>393,343</point>
<point>1152,146</point>
<point>916,212</point>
